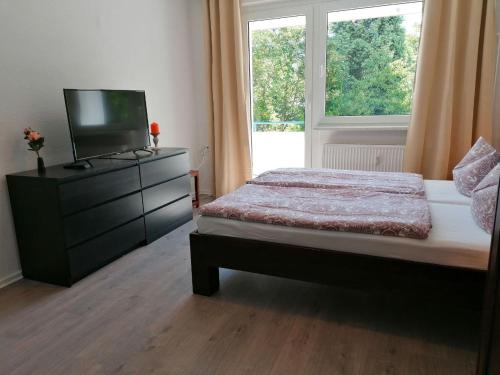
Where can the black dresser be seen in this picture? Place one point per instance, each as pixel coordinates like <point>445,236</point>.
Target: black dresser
<point>69,223</point>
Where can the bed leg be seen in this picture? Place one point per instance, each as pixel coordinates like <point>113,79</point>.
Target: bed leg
<point>205,280</point>
<point>205,277</point>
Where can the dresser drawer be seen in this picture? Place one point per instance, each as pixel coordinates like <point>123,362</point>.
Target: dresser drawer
<point>88,192</point>
<point>88,257</point>
<point>95,221</point>
<point>166,219</point>
<point>161,170</point>
<point>162,194</point>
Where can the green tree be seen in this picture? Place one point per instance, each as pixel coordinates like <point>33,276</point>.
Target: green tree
<point>278,62</point>
<point>370,67</point>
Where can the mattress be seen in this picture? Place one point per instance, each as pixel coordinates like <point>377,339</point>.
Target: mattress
<point>442,191</point>
<point>454,240</point>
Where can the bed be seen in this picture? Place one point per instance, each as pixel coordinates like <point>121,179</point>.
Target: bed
<point>454,255</point>
<point>447,245</point>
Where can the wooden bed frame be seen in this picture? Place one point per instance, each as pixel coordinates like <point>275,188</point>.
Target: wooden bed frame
<point>211,252</point>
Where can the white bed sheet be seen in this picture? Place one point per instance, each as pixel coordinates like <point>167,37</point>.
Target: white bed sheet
<point>455,240</point>
<point>442,191</point>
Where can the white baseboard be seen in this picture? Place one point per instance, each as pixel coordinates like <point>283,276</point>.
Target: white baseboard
<point>12,278</point>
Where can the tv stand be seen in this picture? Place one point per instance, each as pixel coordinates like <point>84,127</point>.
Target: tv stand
<point>81,164</point>
<point>71,222</point>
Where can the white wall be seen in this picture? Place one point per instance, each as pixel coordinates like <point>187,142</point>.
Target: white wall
<point>200,100</point>
<point>117,44</point>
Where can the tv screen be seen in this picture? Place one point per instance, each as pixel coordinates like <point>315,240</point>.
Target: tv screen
<point>105,122</point>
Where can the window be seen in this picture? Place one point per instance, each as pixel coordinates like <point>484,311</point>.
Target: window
<point>317,64</point>
<point>278,51</point>
<point>370,60</point>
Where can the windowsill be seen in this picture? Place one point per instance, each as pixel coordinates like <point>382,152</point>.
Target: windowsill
<point>364,123</point>
<point>361,127</point>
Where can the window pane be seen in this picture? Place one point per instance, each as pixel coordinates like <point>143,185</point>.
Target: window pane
<point>277,52</point>
<point>371,58</point>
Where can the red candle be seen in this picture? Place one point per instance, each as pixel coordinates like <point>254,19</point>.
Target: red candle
<point>155,128</point>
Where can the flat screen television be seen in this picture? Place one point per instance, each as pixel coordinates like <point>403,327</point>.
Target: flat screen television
<point>106,122</point>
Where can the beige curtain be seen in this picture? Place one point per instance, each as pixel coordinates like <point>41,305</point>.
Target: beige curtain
<point>227,95</point>
<point>453,98</point>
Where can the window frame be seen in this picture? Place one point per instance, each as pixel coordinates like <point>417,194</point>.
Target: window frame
<point>320,120</point>
<point>265,12</point>
<point>316,12</point>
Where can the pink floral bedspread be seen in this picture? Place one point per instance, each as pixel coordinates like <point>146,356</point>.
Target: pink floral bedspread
<point>389,182</point>
<point>344,210</point>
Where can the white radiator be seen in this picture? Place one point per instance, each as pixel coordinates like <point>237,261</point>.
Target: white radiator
<point>385,158</point>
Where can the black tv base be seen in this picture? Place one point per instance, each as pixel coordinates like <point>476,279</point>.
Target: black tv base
<point>136,152</point>
<point>82,164</point>
<point>131,155</point>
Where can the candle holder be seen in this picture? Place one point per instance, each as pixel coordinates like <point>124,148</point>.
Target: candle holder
<point>156,140</point>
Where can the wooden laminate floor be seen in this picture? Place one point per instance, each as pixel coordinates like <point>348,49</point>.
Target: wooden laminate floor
<point>138,316</point>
